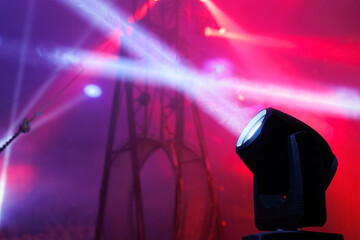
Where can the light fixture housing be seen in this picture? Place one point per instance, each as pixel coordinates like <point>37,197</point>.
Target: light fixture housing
<point>292,165</point>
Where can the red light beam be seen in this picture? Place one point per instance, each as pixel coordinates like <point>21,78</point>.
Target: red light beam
<point>144,9</point>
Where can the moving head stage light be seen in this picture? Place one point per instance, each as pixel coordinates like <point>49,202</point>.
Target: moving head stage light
<point>292,166</point>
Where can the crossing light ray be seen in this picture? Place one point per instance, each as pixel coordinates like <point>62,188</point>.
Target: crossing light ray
<point>162,66</point>
<point>18,83</point>
<point>58,111</point>
<point>108,18</point>
<point>333,101</point>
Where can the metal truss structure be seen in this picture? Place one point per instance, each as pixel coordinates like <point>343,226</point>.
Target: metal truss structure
<point>147,121</point>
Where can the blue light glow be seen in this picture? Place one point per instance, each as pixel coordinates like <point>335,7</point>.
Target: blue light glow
<point>93,91</point>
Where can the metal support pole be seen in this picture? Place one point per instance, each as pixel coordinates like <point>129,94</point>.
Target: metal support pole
<point>215,218</point>
<point>108,159</point>
<point>135,161</point>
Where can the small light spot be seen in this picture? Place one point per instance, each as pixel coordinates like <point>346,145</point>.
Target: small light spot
<point>241,97</point>
<point>207,31</point>
<point>93,91</point>
<point>222,30</point>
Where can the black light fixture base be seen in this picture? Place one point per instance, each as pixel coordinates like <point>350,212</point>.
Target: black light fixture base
<point>293,235</point>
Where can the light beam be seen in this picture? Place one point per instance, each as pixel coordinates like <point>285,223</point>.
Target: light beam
<point>58,111</point>
<point>330,101</point>
<point>18,83</point>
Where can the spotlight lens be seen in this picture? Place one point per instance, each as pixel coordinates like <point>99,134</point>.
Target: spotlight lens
<point>251,128</point>
<point>93,91</point>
